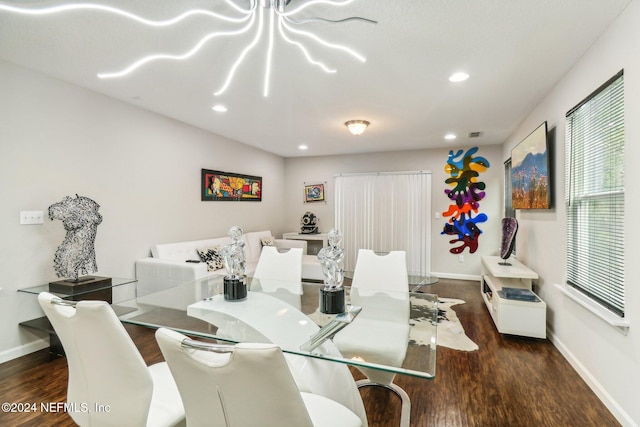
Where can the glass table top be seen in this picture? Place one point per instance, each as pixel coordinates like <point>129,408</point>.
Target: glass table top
<point>376,323</point>
<point>115,282</point>
<point>416,282</point>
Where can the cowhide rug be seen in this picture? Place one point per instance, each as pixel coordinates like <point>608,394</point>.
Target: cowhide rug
<point>450,332</point>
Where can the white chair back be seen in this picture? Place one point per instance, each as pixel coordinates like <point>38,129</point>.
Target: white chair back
<point>251,386</point>
<point>374,274</point>
<point>380,333</point>
<point>388,271</point>
<point>280,274</point>
<point>105,367</point>
<point>283,266</point>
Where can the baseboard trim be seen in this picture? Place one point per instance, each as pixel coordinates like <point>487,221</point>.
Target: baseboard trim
<point>23,350</point>
<point>616,410</point>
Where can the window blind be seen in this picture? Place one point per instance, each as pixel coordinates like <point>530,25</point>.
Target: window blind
<point>594,195</point>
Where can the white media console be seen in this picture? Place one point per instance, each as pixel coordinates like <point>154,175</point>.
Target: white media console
<point>514,317</point>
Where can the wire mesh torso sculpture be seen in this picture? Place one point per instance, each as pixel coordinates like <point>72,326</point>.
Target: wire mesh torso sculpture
<point>76,255</point>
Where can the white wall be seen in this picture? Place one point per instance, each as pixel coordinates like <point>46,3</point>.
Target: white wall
<point>143,169</point>
<point>608,360</point>
<point>315,170</point>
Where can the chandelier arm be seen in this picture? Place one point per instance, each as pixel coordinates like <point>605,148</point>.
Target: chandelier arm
<point>253,6</point>
<point>156,57</point>
<point>116,11</point>
<point>242,55</point>
<point>314,2</point>
<point>333,21</point>
<point>324,42</point>
<point>303,49</point>
<point>267,71</point>
<point>283,17</point>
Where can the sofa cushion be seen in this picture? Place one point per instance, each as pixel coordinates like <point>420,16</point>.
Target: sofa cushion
<point>267,241</point>
<point>183,251</point>
<point>212,257</point>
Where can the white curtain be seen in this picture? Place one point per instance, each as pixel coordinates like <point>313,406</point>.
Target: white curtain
<point>386,212</point>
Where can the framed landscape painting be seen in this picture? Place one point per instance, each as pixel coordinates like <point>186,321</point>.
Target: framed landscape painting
<point>530,181</point>
<point>226,186</point>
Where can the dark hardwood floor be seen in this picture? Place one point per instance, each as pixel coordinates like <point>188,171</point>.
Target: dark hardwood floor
<point>509,381</point>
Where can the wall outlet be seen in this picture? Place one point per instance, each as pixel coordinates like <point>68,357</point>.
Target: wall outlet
<point>460,258</point>
<point>31,217</point>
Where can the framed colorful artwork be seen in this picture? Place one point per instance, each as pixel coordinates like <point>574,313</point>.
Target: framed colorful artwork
<point>233,187</point>
<point>314,193</point>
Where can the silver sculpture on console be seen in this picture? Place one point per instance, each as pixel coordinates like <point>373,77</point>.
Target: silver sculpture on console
<point>76,255</point>
<point>332,261</point>
<point>509,230</point>
<point>235,261</point>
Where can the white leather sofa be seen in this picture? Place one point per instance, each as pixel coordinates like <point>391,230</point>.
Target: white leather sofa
<point>167,267</point>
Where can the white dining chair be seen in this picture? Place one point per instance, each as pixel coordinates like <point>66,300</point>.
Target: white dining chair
<point>380,333</point>
<point>109,382</point>
<point>244,385</point>
<point>280,274</point>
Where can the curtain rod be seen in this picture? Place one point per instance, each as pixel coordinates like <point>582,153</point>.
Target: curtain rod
<point>384,173</point>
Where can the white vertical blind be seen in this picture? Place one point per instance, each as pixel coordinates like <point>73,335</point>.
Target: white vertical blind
<point>595,195</point>
<point>385,212</point>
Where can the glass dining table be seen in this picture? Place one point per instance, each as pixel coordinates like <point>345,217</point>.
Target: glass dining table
<point>317,345</point>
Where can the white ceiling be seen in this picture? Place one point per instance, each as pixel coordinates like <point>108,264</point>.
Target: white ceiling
<point>514,50</point>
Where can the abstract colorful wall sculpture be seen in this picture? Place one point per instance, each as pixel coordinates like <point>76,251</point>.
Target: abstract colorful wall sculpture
<point>465,196</point>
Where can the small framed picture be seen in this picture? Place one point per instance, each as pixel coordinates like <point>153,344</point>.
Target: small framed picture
<point>314,193</point>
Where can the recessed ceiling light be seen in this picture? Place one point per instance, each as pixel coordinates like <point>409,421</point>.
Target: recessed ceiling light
<point>219,108</point>
<point>302,147</point>
<point>459,77</point>
<point>450,137</point>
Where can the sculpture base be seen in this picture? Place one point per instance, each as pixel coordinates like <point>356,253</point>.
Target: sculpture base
<point>83,284</point>
<point>331,301</point>
<point>235,288</point>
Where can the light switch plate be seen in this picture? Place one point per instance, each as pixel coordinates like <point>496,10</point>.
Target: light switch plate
<point>31,217</point>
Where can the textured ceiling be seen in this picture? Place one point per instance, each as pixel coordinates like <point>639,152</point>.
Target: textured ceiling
<point>514,50</point>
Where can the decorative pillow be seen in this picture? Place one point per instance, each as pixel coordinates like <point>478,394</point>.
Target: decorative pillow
<point>212,257</point>
<point>267,241</point>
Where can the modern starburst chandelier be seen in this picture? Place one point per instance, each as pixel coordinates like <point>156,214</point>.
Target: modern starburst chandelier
<point>265,18</point>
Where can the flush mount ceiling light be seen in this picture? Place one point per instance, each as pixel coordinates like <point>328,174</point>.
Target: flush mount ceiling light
<point>357,127</point>
<point>275,12</point>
